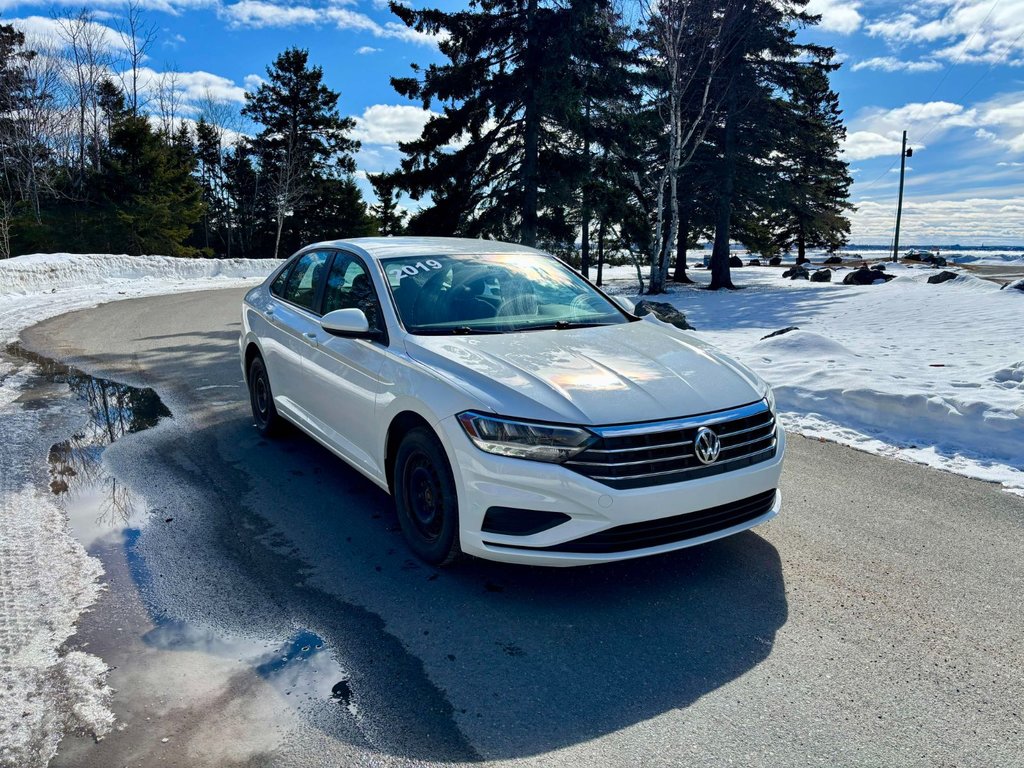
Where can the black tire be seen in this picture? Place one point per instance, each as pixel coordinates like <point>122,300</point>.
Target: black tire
<point>268,421</point>
<point>425,498</point>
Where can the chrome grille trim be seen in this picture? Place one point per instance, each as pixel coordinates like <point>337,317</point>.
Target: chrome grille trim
<point>688,422</point>
<point>770,448</point>
<point>657,446</point>
<point>664,449</point>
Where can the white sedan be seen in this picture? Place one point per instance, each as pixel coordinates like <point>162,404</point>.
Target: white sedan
<point>513,410</point>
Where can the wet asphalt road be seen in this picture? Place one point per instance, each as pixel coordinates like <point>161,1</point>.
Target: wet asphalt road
<point>878,621</point>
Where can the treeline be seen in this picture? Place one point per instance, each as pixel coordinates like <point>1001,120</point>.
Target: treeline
<point>563,124</point>
<point>97,157</point>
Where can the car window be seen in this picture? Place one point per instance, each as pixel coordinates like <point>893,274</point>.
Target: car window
<point>277,287</point>
<point>493,293</point>
<point>349,286</point>
<point>305,280</point>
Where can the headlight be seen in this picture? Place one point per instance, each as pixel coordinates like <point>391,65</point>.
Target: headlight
<point>524,439</point>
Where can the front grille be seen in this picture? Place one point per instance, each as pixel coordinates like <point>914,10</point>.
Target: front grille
<point>668,530</point>
<point>657,453</point>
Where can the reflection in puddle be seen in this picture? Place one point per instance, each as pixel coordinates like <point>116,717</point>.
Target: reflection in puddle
<point>108,519</point>
<point>77,476</point>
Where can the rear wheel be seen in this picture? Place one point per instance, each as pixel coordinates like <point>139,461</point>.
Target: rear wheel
<point>426,499</point>
<point>261,398</point>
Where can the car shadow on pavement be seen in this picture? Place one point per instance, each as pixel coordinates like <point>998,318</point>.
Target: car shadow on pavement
<point>482,660</point>
<point>479,661</point>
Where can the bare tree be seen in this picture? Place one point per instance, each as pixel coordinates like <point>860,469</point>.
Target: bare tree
<point>6,214</point>
<point>689,37</point>
<point>169,100</point>
<point>137,38</point>
<point>86,64</point>
<point>289,187</point>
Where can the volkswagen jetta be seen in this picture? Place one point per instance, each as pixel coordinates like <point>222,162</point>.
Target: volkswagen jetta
<point>513,410</point>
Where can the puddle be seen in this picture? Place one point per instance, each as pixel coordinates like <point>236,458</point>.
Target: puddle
<point>109,519</point>
<point>96,503</point>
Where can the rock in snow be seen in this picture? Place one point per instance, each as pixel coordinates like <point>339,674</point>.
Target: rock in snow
<point>664,312</point>
<point>780,332</point>
<point>822,276</point>
<point>942,277</point>
<point>797,273</point>
<point>866,276</point>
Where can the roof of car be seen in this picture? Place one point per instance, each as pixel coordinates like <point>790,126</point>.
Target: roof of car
<point>389,247</point>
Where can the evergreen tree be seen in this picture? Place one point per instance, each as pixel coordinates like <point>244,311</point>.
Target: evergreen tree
<point>303,143</point>
<point>151,201</point>
<point>497,157</point>
<point>390,219</point>
<point>815,179</point>
<point>761,72</point>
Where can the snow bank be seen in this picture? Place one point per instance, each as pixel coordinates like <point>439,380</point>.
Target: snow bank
<point>49,272</point>
<point>46,577</point>
<point>928,373</point>
<point>36,287</point>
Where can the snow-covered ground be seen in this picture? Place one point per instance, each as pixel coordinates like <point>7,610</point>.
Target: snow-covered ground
<point>928,373</point>
<point>46,577</point>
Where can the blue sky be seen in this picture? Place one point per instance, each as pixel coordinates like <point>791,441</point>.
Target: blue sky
<point>951,72</point>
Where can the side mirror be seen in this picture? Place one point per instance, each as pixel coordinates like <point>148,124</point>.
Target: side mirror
<point>350,323</point>
<point>625,303</point>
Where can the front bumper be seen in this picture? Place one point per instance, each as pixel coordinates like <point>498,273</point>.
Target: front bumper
<point>485,480</point>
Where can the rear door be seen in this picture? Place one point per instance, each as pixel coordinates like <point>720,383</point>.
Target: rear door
<point>295,323</point>
<point>344,374</point>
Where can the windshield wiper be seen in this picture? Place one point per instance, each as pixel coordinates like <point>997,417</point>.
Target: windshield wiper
<point>562,325</point>
<point>460,330</point>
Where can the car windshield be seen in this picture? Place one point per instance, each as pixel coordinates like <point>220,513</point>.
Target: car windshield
<point>493,293</point>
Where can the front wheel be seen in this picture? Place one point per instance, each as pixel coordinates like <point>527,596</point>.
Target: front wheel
<point>261,398</point>
<point>425,498</point>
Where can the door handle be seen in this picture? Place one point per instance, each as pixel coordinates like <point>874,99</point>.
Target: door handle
<point>269,310</point>
<point>311,337</point>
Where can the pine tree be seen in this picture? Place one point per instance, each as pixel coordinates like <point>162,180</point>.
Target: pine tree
<point>389,217</point>
<point>303,143</point>
<point>151,201</point>
<point>815,179</point>
<point>496,158</point>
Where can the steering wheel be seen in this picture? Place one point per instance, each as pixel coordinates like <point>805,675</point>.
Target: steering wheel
<point>428,296</point>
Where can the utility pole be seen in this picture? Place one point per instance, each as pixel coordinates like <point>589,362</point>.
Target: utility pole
<point>904,154</point>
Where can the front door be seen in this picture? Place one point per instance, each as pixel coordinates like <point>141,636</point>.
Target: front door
<point>344,374</point>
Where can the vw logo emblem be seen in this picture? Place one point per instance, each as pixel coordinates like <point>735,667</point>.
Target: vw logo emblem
<point>706,446</point>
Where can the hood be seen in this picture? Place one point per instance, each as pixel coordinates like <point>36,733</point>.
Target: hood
<point>615,374</point>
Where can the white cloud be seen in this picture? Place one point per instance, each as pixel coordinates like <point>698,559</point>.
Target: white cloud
<point>257,14</point>
<point>876,131</point>
<point>837,15</point>
<point>367,49</point>
<point>260,14</point>
<point>971,220</point>
<point>972,30</point>
<point>194,86</point>
<point>51,33</point>
<point>863,145</point>
<point>892,64</point>
<point>391,123</point>
<point>97,6</point>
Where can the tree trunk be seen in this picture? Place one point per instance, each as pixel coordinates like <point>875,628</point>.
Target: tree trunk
<point>682,236</point>
<point>531,139</point>
<point>600,248</point>
<point>277,239</point>
<point>721,276</point>
<point>801,246</point>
